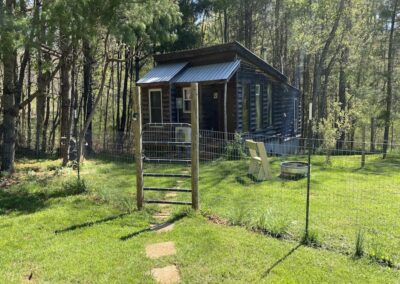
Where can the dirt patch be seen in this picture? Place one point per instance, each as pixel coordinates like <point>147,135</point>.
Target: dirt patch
<point>160,249</point>
<point>217,220</point>
<point>166,275</point>
<point>6,182</point>
<point>171,195</point>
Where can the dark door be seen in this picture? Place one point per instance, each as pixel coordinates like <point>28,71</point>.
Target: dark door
<point>209,108</point>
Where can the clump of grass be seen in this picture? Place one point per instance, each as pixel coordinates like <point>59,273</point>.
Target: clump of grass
<point>379,256</point>
<point>240,217</point>
<point>74,186</point>
<point>359,249</point>
<point>126,203</point>
<point>311,239</point>
<point>274,225</point>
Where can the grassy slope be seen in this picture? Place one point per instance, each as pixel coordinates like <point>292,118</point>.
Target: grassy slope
<point>344,199</point>
<point>30,213</point>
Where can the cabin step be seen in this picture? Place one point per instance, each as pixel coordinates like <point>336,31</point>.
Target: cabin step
<point>167,161</point>
<point>167,202</point>
<point>166,175</point>
<point>167,189</point>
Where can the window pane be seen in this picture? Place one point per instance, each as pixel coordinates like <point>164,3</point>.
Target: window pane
<point>156,107</point>
<point>258,107</point>
<point>245,108</point>
<point>186,100</point>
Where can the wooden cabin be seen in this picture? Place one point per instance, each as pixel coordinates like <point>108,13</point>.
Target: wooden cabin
<point>238,91</point>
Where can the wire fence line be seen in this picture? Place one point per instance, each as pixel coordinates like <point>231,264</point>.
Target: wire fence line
<point>354,193</point>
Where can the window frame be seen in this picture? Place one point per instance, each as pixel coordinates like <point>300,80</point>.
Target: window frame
<point>270,102</point>
<point>258,100</point>
<point>185,100</point>
<point>246,127</point>
<point>295,115</point>
<point>161,104</point>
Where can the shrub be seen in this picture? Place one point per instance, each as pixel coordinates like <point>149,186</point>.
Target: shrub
<point>235,149</point>
<point>74,186</point>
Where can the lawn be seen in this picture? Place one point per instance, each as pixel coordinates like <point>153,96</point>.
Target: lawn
<point>51,231</point>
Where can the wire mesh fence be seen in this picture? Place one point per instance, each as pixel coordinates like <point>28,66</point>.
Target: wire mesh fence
<point>354,192</point>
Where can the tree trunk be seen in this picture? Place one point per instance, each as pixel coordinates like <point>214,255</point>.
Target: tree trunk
<point>65,98</point>
<point>87,91</point>
<point>122,126</point>
<point>29,111</point>
<point>342,90</point>
<point>9,93</point>
<point>390,69</point>
<point>373,134</point>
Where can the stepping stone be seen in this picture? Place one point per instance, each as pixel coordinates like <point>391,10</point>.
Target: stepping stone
<point>166,275</point>
<point>162,228</point>
<point>160,249</point>
<point>170,194</point>
<point>161,216</point>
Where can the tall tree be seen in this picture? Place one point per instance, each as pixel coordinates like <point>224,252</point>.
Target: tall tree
<point>390,70</point>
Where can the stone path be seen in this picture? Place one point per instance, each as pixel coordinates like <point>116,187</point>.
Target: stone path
<point>158,250</point>
<point>168,274</point>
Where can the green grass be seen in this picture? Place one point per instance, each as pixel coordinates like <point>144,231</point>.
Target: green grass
<point>344,199</point>
<point>60,233</point>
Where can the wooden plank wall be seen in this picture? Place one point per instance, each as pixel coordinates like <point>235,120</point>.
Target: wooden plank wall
<point>282,99</point>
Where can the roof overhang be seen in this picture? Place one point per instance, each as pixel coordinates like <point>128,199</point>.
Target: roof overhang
<point>179,73</point>
<point>162,73</point>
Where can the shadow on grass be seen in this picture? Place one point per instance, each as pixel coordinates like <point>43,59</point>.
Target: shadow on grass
<point>155,228</point>
<point>282,259</point>
<point>91,223</point>
<point>24,201</point>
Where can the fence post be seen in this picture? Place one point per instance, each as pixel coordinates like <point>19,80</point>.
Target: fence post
<point>363,147</point>
<point>308,170</point>
<point>138,147</point>
<point>195,144</point>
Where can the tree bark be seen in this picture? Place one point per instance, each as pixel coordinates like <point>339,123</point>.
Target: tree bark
<point>390,69</point>
<point>87,90</point>
<point>342,90</point>
<point>65,97</point>
<point>9,93</point>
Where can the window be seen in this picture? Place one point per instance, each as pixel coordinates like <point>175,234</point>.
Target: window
<point>270,103</point>
<point>245,107</point>
<point>258,107</point>
<point>187,96</point>
<point>295,115</point>
<point>155,105</point>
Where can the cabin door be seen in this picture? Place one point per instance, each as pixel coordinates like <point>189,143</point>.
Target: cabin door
<point>209,108</point>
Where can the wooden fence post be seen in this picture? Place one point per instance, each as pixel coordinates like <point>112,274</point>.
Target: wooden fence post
<point>195,144</point>
<point>363,147</point>
<point>138,148</point>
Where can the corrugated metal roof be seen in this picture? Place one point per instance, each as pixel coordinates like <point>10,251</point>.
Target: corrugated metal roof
<point>162,73</point>
<point>212,72</point>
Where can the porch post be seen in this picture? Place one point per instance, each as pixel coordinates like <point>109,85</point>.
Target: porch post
<point>225,110</point>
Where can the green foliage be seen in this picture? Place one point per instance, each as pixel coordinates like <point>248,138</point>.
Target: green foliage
<point>235,149</point>
<point>74,186</point>
<point>330,129</point>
